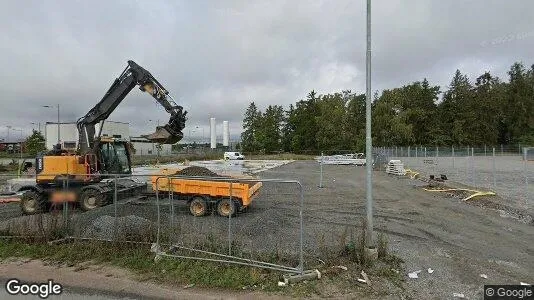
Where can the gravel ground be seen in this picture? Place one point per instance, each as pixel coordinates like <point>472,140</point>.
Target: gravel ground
<point>514,178</point>
<point>428,230</point>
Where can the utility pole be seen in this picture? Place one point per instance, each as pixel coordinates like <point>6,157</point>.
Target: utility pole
<point>8,129</point>
<point>368,138</point>
<point>58,122</point>
<point>58,126</point>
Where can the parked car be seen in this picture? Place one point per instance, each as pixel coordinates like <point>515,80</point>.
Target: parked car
<point>233,156</point>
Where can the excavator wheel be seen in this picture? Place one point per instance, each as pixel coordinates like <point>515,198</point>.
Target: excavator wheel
<point>31,202</point>
<point>91,199</point>
<point>226,207</point>
<point>198,206</point>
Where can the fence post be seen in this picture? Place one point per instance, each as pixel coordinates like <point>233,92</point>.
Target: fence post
<point>485,150</point>
<point>409,154</point>
<point>171,198</point>
<point>494,177</point>
<point>526,175</point>
<point>467,163</point>
<point>502,150</point>
<point>321,176</point>
<point>116,220</point>
<point>416,151</point>
<point>425,151</point>
<point>452,147</point>
<point>473,165</point>
<point>301,245</point>
<point>230,221</point>
<point>396,152</point>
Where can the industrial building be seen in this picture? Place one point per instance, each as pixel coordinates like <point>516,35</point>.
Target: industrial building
<point>68,133</point>
<point>142,146</point>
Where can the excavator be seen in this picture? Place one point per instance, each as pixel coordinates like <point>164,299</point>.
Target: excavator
<point>100,165</point>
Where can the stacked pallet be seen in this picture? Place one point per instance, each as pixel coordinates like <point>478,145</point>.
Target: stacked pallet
<point>395,167</point>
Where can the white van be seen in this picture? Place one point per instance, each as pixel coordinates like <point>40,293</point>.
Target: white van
<point>233,156</point>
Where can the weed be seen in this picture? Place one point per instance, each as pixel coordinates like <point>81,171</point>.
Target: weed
<point>382,245</point>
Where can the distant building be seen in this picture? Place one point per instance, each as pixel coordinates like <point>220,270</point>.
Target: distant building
<point>68,133</point>
<point>142,146</point>
<point>12,145</point>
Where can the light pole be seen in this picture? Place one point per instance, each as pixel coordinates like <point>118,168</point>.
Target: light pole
<point>368,138</point>
<point>39,126</point>
<point>58,130</point>
<point>197,127</point>
<point>8,129</point>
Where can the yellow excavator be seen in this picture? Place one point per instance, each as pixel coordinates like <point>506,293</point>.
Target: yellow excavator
<point>90,175</point>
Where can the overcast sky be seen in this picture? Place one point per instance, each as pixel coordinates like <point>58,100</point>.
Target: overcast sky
<point>217,56</point>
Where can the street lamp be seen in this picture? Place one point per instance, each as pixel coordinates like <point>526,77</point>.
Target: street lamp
<point>38,124</point>
<point>58,132</point>
<point>8,129</point>
<point>202,133</point>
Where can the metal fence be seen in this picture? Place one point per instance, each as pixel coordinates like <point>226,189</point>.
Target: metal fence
<point>268,234</point>
<point>504,170</point>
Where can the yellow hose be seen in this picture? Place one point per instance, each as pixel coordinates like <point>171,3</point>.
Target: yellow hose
<point>475,192</point>
<point>414,174</point>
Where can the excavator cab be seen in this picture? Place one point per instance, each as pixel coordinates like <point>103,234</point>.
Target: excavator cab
<point>114,157</point>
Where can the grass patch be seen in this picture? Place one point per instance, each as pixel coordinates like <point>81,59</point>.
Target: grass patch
<point>138,259</point>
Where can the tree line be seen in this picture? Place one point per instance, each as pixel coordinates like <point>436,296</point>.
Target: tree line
<point>488,111</point>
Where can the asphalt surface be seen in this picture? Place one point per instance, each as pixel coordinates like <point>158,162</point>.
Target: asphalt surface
<point>458,241</point>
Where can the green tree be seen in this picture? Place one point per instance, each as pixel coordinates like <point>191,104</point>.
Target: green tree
<point>390,120</point>
<point>270,125</point>
<point>288,129</point>
<point>519,119</point>
<point>330,122</point>
<point>354,122</point>
<point>305,124</point>
<point>250,128</point>
<point>484,113</point>
<point>452,110</point>
<point>35,143</point>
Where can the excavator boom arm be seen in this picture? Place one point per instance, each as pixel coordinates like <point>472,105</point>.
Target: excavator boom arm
<point>134,75</point>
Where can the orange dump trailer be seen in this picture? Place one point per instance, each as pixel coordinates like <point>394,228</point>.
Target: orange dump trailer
<point>205,195</point>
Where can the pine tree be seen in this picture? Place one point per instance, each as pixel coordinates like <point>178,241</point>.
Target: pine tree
<point>250,128</point>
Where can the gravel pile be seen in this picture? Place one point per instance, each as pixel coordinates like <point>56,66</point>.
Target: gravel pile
<point>129,227</point>
<point>197,171</point>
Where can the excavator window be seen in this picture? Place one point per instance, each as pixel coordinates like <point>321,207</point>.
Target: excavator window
<point>115,158</point>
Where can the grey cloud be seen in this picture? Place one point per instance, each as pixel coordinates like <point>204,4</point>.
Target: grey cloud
<point>215,57</point>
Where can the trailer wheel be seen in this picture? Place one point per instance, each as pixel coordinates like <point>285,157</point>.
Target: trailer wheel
<point>31,202</point>
<point>198,206</point>
<point>91,199</point>
<point>225,208</point>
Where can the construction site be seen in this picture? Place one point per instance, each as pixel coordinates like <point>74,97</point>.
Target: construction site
<point>414,188</point>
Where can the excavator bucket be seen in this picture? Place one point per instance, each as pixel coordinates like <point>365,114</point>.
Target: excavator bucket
<point>170,133</point>
<point>163,136</point>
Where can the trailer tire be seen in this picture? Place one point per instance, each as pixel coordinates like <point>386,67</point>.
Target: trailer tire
<point>226,207</point>
<point>91,199</point>
<point>31,202</point>
<point>198,206</point>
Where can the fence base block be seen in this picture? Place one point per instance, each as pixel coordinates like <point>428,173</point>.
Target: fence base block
<point>306,275</point>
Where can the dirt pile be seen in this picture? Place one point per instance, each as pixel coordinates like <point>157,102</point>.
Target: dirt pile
<point>197,171</point>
